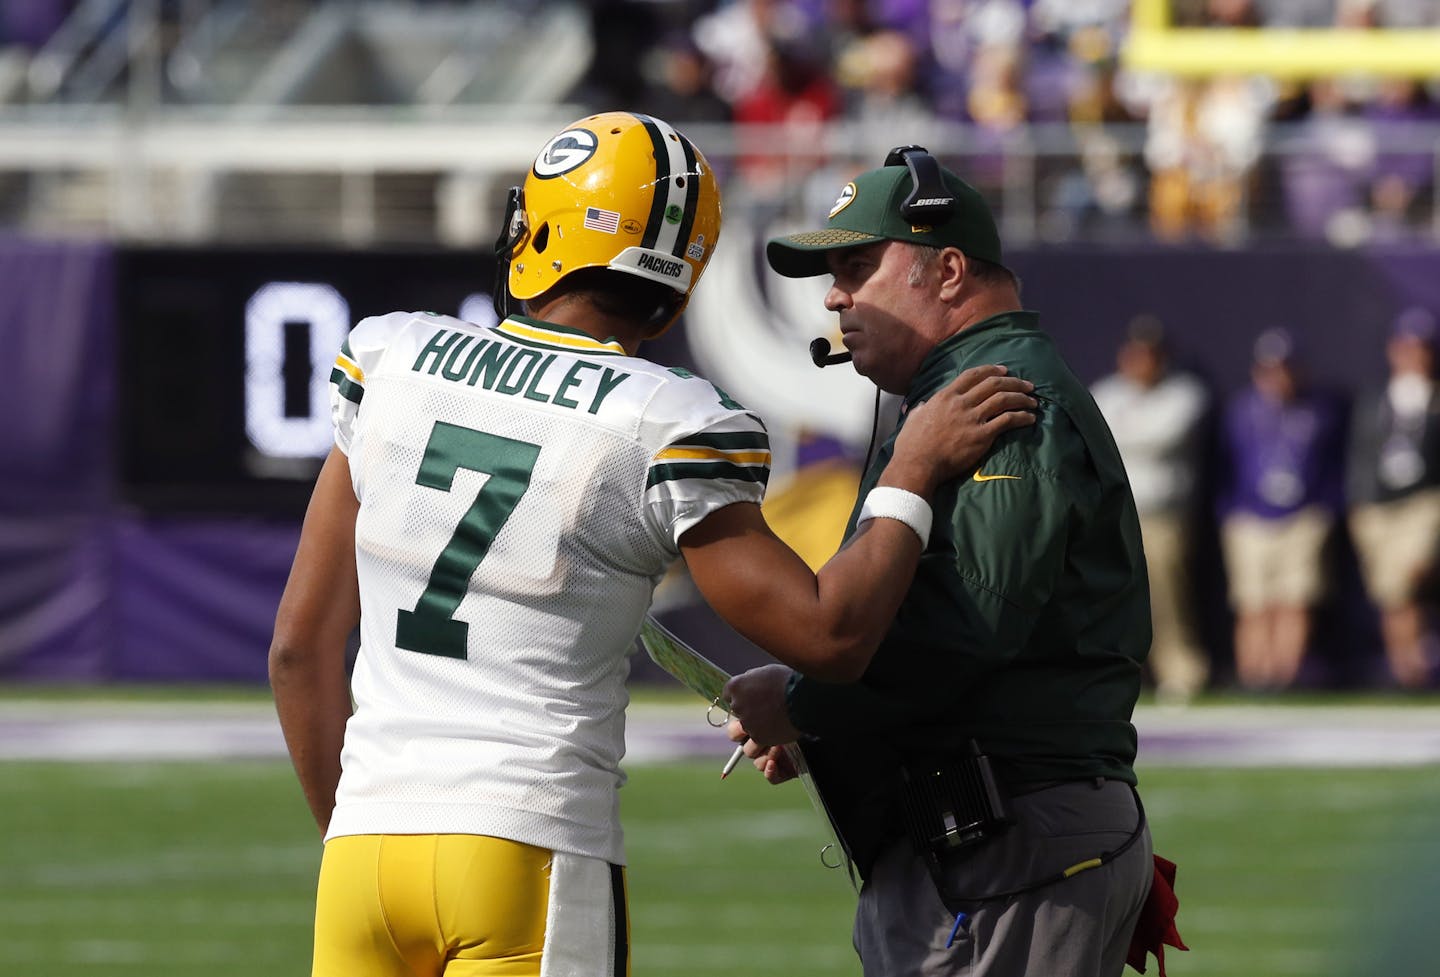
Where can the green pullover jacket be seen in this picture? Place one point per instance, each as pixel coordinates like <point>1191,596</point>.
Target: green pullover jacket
<point>1029,618</point>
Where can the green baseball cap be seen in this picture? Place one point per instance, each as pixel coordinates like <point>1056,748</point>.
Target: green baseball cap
<point>868,210</point>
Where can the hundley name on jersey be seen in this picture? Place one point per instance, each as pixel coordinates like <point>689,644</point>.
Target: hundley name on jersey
<point>509,369</point>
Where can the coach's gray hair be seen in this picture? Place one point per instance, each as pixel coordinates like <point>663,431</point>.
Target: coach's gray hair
<point>923,256</point>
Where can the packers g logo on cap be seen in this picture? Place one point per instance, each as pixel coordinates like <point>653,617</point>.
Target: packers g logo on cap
<point>846,198</point>
<point>565,152</point>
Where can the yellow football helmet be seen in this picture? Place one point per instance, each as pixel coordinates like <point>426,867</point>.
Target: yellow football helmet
<point>617,190</point>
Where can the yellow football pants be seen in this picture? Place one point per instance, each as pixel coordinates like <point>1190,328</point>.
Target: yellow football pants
<point>464,906</point>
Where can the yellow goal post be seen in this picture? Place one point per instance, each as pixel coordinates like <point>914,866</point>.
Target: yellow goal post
<point>1291,54</point>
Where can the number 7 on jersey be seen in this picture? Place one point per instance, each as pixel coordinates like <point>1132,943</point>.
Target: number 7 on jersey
<point>431,628</point>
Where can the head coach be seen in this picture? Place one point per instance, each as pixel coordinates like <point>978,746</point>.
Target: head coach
<point>980,773</point>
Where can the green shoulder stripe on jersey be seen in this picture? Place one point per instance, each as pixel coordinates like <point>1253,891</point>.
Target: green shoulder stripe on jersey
<point>348,388</point>
<point>345,349</point>
<point>679,471</point>
<point>725,441</point>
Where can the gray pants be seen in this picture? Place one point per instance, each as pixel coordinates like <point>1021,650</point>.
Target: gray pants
<point>1080,927</point>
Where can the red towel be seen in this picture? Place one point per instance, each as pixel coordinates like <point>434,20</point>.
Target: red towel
<point>1156,928</point>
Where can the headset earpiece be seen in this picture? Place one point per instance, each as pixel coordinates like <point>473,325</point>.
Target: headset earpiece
<point>929,202</point>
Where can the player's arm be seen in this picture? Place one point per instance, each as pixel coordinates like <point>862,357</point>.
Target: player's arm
<point>829,624</point>
<point>319,610</point>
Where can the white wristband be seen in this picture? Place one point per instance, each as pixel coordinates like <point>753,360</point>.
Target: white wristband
<point>886,502</point>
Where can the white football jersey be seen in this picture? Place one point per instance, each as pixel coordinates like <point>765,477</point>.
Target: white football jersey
<point>522,489</point>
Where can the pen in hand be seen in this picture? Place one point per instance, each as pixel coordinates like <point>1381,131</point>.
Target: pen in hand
<point>734,760</point>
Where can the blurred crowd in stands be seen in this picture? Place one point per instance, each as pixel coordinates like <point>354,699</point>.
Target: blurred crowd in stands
<point>1350,158</point>
<point>1105,152</point>
<point>1302,472</point>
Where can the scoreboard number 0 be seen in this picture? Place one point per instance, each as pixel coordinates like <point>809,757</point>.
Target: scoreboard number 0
<point>292,332</point>
<point>274,423</point>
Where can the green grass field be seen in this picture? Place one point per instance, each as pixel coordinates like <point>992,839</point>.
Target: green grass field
<point>181,869</point>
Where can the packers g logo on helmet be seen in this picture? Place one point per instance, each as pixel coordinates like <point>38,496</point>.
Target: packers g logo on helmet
<point>620,191</point>
<point>565,152</point>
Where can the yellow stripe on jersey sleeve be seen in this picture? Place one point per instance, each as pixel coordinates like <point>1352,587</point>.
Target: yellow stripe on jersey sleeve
<point>714,454</point>
<point>350,368</point>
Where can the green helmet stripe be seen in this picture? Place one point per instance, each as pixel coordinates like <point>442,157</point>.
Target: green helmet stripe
<point>692,197</point>
<point>658,203</point>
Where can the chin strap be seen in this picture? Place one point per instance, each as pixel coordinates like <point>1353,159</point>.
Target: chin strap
<point>512,232</point>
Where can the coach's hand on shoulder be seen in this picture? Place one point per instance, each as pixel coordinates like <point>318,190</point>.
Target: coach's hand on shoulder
<point>949,433</point>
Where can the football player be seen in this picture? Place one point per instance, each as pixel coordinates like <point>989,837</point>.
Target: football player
<point>496,512</point>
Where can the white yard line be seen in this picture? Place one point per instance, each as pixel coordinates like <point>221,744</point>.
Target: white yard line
<point>1240,735</point>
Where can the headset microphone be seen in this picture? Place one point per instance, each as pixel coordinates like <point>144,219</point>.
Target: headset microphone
<point>821,356</point>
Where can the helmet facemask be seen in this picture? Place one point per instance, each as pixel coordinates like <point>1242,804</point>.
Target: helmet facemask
<point>512,237</point>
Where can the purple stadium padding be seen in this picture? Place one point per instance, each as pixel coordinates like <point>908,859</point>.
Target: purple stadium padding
<point>57,331</point>
<point>196,598</point>
<point>57,328</point>
<point>55,606</point>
